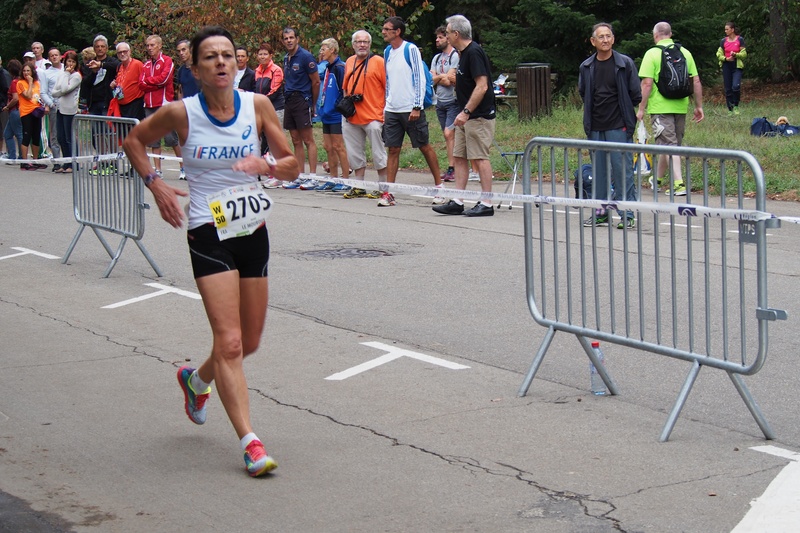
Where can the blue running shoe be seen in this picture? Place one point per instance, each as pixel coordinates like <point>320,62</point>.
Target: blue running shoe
<point>195,403</point>
<point>326,186</point>
<point>256,460</point>
<point>341,187</point>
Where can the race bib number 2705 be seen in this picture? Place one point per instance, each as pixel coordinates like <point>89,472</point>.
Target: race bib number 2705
<point>239,210</point>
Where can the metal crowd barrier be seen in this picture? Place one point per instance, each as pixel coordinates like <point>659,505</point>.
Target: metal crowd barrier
<point>107,193</point>
<point>688,282</point>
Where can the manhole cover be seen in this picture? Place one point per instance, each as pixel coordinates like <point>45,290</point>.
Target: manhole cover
<point>345,253</point>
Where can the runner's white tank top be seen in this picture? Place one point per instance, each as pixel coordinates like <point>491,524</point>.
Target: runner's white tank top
<point>211,149</point>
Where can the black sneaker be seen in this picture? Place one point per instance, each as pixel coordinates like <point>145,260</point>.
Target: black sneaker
<point>56,168</point>
<point>480,210</point>
<point>599,219</point>
<point>450,208</point>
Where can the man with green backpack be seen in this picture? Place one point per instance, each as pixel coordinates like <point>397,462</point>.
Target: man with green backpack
<point>668,74</point>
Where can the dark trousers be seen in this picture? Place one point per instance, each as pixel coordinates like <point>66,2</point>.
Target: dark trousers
<point>64,134</point>
<point>732,81</point>
<point>134,109</point>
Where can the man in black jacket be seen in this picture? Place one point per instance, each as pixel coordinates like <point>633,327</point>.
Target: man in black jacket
<point>609,86</point>
<point>96,94</point>
<point>245,76</point>
<point>97,77</point>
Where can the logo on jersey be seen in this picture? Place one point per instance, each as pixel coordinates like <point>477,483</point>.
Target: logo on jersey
<point>247,132</point>
<point>224,152</point>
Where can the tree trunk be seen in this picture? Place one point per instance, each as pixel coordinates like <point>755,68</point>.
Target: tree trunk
<point>778,10</point>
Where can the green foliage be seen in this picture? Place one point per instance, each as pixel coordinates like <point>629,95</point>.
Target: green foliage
<point>63,23</point>
<point>314,20</point>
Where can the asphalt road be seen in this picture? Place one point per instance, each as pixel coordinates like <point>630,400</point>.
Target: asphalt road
<point>93,436</point>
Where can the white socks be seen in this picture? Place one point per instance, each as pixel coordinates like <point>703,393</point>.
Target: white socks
<point>198,385</point>
<point>247,439</point>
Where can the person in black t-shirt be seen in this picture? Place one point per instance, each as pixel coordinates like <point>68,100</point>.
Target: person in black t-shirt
<point>475,123</point>
<point>610,88</point>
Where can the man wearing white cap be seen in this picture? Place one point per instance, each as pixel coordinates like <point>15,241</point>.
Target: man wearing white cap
<point>30,57</point>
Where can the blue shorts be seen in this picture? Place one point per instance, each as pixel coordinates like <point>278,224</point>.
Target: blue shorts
<point>332,129</point>
<point>447,114</point>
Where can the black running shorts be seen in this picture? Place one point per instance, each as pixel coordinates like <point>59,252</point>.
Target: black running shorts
<point>249,255</point>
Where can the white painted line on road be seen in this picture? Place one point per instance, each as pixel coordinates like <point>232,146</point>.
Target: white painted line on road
<point>26,251</point>
<point>163,289</point>
<point>778,509</point>
<point>780,452</point>
<point>393,353</point>
<point>188,294</point>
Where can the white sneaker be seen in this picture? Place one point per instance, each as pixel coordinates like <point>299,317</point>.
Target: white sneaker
<point>272,183</point>
<point>474,176</point>
<point>3,155</point>
<point>439,200</point>
<point>309,185</point>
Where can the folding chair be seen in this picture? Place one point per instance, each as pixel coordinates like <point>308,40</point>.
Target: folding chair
<point>513,164</point>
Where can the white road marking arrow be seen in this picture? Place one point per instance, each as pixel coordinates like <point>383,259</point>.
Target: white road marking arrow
<point>778,509</point>
<point>393,353</point>
<point>26,251</point>
<point>164,289</point>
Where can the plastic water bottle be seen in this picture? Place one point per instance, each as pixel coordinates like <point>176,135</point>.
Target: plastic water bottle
<point>598,386</point>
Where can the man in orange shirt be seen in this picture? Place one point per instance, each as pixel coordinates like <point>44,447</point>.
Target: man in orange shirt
<point>364,74</point>
<point>125,87</point>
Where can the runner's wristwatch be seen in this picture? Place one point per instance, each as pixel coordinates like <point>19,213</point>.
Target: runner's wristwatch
<point>150,178</point>
<point>271,162</point>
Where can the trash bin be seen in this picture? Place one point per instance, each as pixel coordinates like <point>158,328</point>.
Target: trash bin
<point>534,90</point>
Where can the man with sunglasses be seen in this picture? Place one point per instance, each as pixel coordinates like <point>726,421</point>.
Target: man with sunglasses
<point>404,114</point>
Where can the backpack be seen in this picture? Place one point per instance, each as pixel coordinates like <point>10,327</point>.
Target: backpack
<point>428,100</point>
<point>674,81</point>
<point>583,186</point>
<point>761,127</point>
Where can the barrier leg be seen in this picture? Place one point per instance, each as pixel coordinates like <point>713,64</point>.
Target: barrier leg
<point>744,392</point>
<point>526,384</point>
<point>601,369</point>
<point>680,402</point>
<point>115,257</point>
<point>149,259</point>
<point>104,242</point>
<point>72,244</point>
